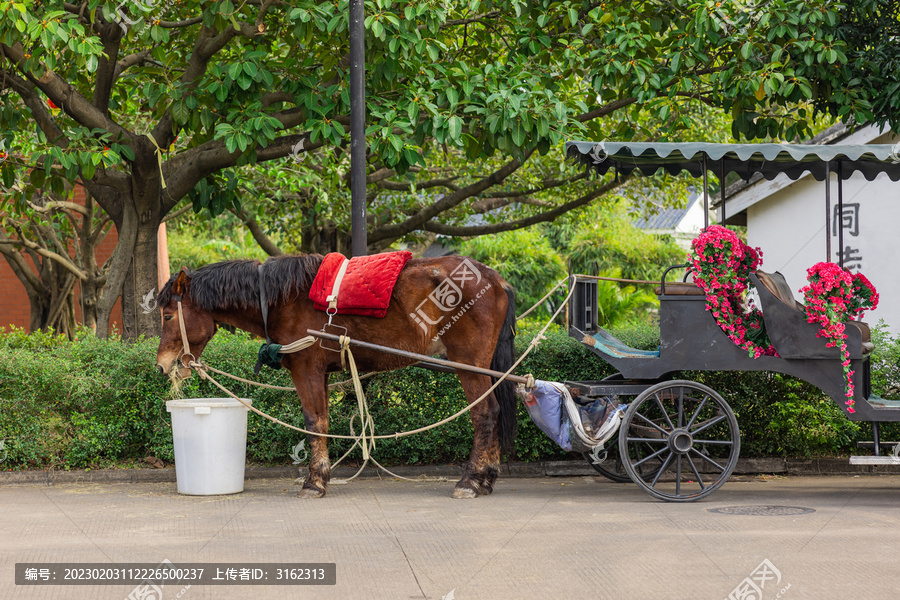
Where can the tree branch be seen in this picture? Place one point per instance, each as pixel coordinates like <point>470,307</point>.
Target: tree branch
<point>447,202</point>
<point>42,116</point>
<point>602,111</point>
<point>264,241</point>
<point>546,185</point>
<point>130,61</point>
<point>111,36</point>
<point>177,213</point>
<point>59,205</point>
<point>424,185</point>
<point>17,262</point>
<point>209,43</point>
<point>476,19</point>
<point>463,231</point>
<point>178,24</point>
<point>191,166</point>
<point>488,204</point>
<point>65,96</point>
<point>64,261</point>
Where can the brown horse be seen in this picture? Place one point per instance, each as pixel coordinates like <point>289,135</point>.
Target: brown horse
<point>450,305</point>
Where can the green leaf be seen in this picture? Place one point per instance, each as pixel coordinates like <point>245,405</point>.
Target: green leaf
<point>454,126</point>
<point>518,134</point>
<point>180,112</point>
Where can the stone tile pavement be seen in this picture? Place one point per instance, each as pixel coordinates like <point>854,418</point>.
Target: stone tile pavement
<point>561,537</point>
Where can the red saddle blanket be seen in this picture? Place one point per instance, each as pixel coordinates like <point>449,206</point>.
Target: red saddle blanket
<point>367,284</point>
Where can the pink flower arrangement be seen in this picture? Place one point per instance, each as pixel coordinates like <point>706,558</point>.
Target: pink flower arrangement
<point>721,265</point>
<point>833,296</point>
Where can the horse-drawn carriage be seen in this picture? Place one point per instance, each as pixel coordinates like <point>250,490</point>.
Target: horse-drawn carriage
<point>678,440</point>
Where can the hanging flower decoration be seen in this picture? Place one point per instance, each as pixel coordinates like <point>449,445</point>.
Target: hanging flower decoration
<point>832,297</point>
<point>721,265</point>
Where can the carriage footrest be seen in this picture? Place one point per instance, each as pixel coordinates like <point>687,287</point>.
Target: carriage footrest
<point>874,460</point>
<point>871,445</point>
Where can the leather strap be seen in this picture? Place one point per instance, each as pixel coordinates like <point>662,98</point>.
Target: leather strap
<point>264,301</point>
<point>333,296</point>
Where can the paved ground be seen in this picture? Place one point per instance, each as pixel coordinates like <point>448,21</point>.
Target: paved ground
<point>577,537</point>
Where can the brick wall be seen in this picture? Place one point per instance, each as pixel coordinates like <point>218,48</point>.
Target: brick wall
<point>14,308</point>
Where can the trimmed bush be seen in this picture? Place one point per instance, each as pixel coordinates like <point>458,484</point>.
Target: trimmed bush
<point>92,403</point>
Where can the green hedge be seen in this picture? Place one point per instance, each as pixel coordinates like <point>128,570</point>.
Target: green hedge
<point>94,403</point>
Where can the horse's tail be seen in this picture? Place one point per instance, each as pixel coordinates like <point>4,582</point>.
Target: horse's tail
<point>503,359</point>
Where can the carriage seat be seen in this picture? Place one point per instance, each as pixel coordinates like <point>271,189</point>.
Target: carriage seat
<point>778,287</point>
<point>680,288</point>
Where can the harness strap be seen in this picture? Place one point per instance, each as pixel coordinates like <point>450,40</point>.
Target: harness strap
<point>184,341</point>
<point>264,302</point>
<point>333,296</point>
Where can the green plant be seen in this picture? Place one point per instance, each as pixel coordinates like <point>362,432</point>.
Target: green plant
<point>885,363</point>
<point>616,305</point>
<point>607,240</point>
<point>201,241</point>
<point>526,260</point>
<point>100,403</point>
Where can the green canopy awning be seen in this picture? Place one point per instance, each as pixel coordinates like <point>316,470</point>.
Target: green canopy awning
<point>744,159</point>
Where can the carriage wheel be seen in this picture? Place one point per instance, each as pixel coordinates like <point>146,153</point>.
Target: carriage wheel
<point>611,466</point>
<point>691,429</point>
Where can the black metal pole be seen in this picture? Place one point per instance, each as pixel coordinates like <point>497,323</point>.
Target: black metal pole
<point>706,196</point>
<point>840,214</point>
<point>827,212</point>
<point>358,232</point>
<point>722,183</point>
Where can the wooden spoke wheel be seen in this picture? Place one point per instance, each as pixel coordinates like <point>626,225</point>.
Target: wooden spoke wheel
<point>690,429</point>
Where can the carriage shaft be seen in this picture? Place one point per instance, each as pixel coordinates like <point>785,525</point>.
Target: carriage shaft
<point>420,357</point>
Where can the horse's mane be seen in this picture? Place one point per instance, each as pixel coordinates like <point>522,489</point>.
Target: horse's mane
<point>234,284</point>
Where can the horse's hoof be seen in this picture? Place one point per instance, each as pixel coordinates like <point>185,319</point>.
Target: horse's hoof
<point>311,493</point>
<point>462,492</point>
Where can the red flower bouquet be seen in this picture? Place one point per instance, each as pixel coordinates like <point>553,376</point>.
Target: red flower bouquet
<point>833,296</point>
<point>721,265</point>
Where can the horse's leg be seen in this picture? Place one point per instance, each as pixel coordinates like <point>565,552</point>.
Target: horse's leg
<point>312,387</point>
<point>483,467</point>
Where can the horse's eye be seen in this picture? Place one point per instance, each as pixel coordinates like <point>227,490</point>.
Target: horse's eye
<point>167,318</point>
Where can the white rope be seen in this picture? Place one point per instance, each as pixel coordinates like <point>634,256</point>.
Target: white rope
<point>541,301</point>
<point>285,388</point>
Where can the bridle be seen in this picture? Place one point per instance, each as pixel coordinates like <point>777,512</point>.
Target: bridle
<point>184,340</point>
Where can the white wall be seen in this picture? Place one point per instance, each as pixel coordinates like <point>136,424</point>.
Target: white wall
<point>789,227</point>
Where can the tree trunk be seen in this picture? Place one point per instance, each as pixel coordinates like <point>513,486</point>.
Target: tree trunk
<point>133,272</point>
<point>322,239</point>
<point>143,276</point>
<point>141,279</point>
<point>126,226</point>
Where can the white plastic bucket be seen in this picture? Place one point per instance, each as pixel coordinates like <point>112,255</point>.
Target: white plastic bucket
<point>210,438</point>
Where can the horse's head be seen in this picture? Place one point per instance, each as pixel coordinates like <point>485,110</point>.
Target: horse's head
<point>199,326</point>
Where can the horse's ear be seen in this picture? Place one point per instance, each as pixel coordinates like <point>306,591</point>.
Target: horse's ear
<point>180,285</point>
